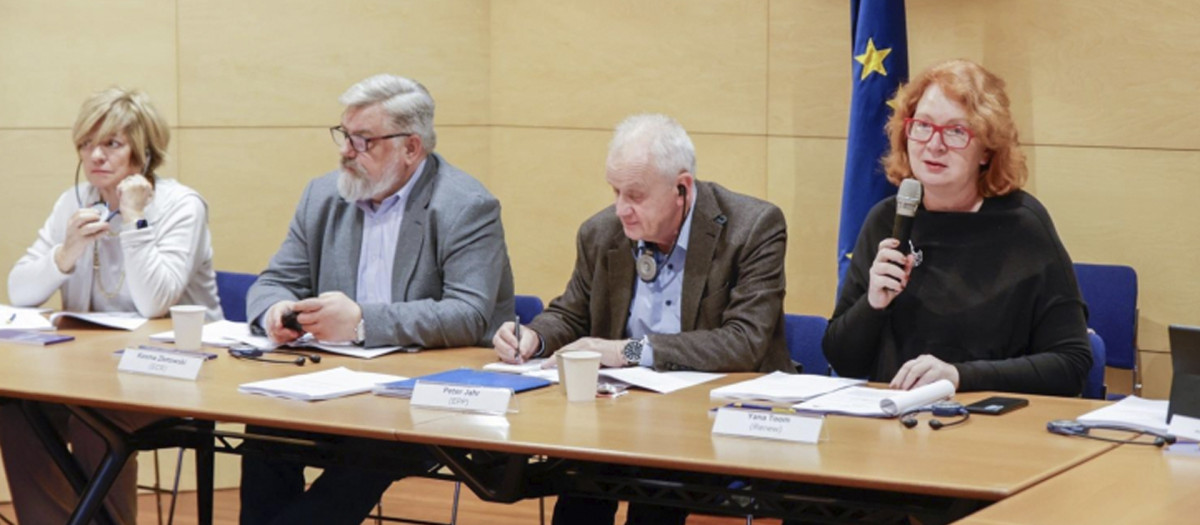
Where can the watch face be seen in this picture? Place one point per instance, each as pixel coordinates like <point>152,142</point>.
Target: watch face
<point>633,351</point>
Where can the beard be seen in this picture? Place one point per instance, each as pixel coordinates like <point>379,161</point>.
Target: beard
<point>355,185</point>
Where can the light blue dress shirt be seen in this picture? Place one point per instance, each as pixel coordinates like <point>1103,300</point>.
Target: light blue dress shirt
<point>655,306</point>
<point>381,232</point>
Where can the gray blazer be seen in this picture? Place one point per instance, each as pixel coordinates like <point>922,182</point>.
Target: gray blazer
<point>733,285</point>
<point>451,284</point>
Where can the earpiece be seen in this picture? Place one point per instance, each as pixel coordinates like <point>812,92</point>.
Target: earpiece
<point>682,190</point>
<point>939,409</point>
<point>1067,427</point>
<point>146,165</point>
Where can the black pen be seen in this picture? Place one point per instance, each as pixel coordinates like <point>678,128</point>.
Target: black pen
<point>517,334</point>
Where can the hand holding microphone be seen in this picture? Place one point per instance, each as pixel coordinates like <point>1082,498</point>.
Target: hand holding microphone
<point>890,271</point>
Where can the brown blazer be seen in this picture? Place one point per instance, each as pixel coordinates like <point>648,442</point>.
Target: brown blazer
<point>733,286</point>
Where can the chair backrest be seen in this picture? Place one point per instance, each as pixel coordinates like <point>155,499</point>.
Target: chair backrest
<point>804,334</point>
<point>528,307</point>
<point>231,290</point>
<point>1111,295</point>
<point>1093,386</point>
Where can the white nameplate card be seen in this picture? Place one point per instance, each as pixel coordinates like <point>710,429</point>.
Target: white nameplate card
<point>169,364</point>
<point>464,398</point>
<point>1184,428</point>
<point>769,424</point>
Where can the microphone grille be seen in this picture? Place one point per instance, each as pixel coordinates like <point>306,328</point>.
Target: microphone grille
<point>908,198</point>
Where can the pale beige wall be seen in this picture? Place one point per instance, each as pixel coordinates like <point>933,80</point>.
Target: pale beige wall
<point>527,91</point>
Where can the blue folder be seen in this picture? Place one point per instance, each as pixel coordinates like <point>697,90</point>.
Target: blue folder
<point>465,376</point>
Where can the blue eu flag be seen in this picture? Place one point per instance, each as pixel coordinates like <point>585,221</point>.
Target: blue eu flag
<point>880,65</point>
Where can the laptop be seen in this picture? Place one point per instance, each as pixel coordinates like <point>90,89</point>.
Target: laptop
<point>1185,379</point>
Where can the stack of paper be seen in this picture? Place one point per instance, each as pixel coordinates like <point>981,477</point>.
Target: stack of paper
<point>532,365</point>
<point>1132,412</point>
<point>14,318</point>
<point>661,382</point>
<point>779,387</point>
<point>326,384</point>
<point>877,402</point>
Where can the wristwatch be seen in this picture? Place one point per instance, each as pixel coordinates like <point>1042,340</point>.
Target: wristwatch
<point>142,224</point>
<point>360,333</point>
<point>632,352</point>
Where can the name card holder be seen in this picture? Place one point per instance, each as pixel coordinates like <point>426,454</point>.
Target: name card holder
<point>464,398</point>
<point>158,363</point>
<point>780,425</point>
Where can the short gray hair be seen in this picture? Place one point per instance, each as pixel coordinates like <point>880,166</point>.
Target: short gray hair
<point>405,100</point>
<point>659,137</point>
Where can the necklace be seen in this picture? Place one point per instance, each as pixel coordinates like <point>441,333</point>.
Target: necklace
<point>99,278</point>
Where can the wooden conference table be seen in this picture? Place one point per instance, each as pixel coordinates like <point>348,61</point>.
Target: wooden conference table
<point>1131,484</point>
<point>642,445</point>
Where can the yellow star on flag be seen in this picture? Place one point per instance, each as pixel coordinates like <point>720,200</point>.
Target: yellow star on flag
<point>872,59</point>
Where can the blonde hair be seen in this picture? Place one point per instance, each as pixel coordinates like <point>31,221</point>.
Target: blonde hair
<point>981,93</point>
<point>118,110</point>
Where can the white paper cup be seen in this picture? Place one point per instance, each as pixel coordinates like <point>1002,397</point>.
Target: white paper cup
<point>579,371</point>
<point>188,323</point>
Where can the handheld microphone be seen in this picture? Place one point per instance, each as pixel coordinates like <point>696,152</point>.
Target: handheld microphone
<point>907,201</point>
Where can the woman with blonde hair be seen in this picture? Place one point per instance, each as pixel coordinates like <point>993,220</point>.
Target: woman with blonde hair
<point>985,293</point>
<point>125,240</point>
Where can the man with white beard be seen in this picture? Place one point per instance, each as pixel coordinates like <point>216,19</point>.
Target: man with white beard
<point>397,247</point>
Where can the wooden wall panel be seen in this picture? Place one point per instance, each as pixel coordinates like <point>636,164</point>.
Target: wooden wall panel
<point>251,195</point>
<point>41,166</point>
<point>805,181</point>
<point>586,64</point>
<point>809,74</point>
<point>55,54</point>
<point>1133,207</point>
<point>1099,73</point>
<point>548,182</point>
<point>284,63</point>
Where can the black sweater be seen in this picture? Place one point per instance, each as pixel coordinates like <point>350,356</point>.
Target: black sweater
<point>995,295</point>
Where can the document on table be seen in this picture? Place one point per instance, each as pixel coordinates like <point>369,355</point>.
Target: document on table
<point>1132,412</point>
<point>229,333</point>
<point>120,320</point>
<point>221,333</point>
<point>877,402</point>
<point>780,387</point>
<point>532,365</point>
<point>661,382</point>
<point>17,318</point>
<point>316,386</point>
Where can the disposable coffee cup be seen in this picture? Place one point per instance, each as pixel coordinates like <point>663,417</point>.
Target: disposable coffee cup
<point>188,323</point>
<point>579,371</point>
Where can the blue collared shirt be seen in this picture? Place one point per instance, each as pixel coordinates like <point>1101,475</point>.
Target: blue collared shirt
<point>655,306</point>
<point>381,233</point>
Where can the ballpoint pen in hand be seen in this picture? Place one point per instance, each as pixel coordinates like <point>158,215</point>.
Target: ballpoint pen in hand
<point>11,318</point>
<point>517,334</point>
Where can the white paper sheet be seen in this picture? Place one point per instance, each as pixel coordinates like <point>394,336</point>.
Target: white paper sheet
<point>120,320</point>
<point>15,318</point>
<point>1132,412</point>
<point>316,386</point>
<point>228,333</point>
<point>877,402</point>
<point>533,365</point>
<point>780,387</point>
<point>661,382</point>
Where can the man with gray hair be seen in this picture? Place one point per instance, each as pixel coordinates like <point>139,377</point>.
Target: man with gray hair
<point>397,247</point>
<point>677,274</point>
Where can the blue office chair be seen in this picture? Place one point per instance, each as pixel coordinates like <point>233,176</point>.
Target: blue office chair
<point>804,334</point>
<point>231,290</point>
<point>528,307</point>
<point>1093,386</point>
<point>1110,292</point>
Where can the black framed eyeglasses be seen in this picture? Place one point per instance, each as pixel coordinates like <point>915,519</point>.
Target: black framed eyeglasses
<point>358,142</point>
